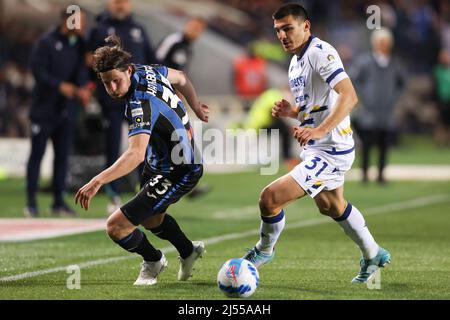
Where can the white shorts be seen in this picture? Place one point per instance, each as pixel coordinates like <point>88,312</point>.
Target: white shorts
<point>322,170</point>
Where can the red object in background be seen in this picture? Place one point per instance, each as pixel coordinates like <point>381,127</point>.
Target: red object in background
<point>250,76</point>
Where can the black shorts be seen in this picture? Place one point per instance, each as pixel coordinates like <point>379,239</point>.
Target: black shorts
<point>158,191</point>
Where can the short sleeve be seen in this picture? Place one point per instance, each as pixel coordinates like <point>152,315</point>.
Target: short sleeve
<point>161,69</point>
<point>326,62</point>
<point>141,117</point>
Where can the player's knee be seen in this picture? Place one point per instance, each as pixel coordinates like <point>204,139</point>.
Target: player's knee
<point>267,203</point>
<point>114,228</point>
<point>111,228</point>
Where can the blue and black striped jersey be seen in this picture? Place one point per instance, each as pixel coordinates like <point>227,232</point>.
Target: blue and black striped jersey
<point>153,108</point>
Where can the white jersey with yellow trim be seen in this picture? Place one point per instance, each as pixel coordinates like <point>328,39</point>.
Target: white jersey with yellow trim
<point>312,76</point>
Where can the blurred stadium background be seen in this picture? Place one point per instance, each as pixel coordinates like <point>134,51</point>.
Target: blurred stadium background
<point>417,173</point>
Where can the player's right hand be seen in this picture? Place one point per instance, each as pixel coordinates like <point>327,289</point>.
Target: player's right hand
<point>202,112</point>
<point>86,193</point>
<point>283,109</point>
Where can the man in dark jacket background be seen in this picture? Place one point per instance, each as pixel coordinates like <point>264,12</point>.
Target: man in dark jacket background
<point>175,50</point>
<point>57,64</point>
<point>380,80</point>
<point>118,20</point>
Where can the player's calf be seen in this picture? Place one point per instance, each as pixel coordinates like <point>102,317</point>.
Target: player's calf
<point>331,211</point>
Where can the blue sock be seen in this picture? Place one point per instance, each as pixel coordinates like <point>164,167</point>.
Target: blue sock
<point>137,242</point>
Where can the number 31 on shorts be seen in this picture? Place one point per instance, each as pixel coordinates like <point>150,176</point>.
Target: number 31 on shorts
<point>317,162</point>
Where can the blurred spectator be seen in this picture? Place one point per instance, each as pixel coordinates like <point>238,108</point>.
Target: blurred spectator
<point>442,80</point>
<point>269,50</point>
<point>444,10</point>
<point>58,67</point>
<point>417,26</point>
<point>15,101</point>
<point>379,80</point>
<point>250,75</point>
<point>118,20</point>
<point>260,117</point>
<point>16,80</point>
<point>175,50</point>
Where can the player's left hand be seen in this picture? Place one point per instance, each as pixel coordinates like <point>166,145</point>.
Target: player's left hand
<point>304,135</point>
<point>202,112</point>
<point>86,193</point>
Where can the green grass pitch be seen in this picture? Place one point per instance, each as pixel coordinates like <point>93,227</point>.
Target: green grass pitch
<point>314,259</point>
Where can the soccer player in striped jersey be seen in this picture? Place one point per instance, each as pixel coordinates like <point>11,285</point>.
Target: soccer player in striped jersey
<point>324,97</point>
<point>161,135</point>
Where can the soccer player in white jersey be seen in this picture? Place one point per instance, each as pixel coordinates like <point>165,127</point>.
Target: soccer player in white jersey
<point>324,97</point>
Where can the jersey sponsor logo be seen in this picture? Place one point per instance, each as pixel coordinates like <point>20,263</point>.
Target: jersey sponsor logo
<point>301,99</point>
<point>137,112</point>
<point>300,81</point>
<point>135,126</point>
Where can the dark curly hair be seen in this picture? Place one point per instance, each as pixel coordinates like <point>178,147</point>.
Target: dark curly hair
<point>111,56</point>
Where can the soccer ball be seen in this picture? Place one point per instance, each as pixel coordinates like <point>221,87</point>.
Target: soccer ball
<point>238,278</point>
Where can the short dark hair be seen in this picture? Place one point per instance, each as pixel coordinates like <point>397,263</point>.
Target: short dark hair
<point>110,57</point>
<point>294,9</point>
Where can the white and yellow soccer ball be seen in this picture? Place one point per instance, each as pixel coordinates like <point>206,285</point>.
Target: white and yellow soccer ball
<point>238,278</point>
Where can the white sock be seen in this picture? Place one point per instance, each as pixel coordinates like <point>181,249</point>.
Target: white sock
<point>354,225</point>
<point>271,228</point>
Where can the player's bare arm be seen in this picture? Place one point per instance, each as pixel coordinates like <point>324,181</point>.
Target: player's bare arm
<point>345,103</point>
<point>283,109</point>
<point>127,162</point>
<point>181,83</point>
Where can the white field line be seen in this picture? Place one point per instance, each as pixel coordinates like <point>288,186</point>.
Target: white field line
<point>94,225</point>
<point>408,204</point>
<point>236,213</point>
